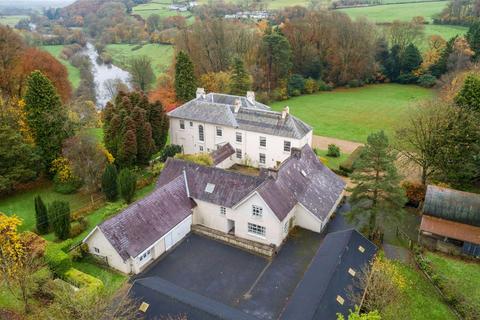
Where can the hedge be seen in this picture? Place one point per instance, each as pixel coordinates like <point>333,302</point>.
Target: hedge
<point>82,280</point>
<point>348,165</point>
<point>58,261</point>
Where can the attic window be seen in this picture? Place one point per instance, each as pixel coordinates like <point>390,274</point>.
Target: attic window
<point>143,307</point>
<point>209,188</point>
<point>303,173</point>
<point>351,272</point>
<point>361,249</point>
<point>340,300</point>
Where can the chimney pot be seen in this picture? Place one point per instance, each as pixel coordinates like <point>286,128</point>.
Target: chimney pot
<point>285,112</point>
<point>238,104</point>
<point>200,93</point>
<point>251,97</point>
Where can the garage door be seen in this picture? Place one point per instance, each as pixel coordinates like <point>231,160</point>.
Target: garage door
<point>178,233</point>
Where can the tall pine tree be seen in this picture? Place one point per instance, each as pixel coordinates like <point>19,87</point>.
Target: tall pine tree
<point>240,81</point>
<point>411,59</point>
<point>185,81</point>
<point>377,195</point>
<point>59,217</point>
<point>109,182</point>
<point>41,216</point>
<point>473,38</point>
<point>469,96</point>
<point>45,116</point>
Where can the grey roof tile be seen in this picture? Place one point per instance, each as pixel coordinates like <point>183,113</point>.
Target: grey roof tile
<point>222,153</point>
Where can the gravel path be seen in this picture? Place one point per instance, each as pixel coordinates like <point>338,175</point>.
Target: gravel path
<point>345,145</point>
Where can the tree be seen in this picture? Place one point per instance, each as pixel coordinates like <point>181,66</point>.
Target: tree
<point>86,158</point>
<point>393,63</point>
<point>473,38</point>
<point>59,217</point>
<point>109,182</point>
<point>240,81</point>
<point>41,216</point>
<point>127,184</point>
<point>216,82</point>
<point>11,46</point>
<point>142,73</point>
<point>376,195</point>
<point>356,315</point>
<point>468,97</point>
<point>45,116</point>
<point>185,81</point>
<point>19,161</point>
<point>145,143</point>
<point>402,33</point>
<point>277,56</point>
<point>411,59</point>
<point>440,67</point>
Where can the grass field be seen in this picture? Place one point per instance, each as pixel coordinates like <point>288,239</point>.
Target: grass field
<point>161,55</point>
<point>352,114</point>
<point>419,300</point>
<point>463,275</point>
<point>73,73</point>
<point>332,163</point>
<point>157,7</point>
<point>11,20</point>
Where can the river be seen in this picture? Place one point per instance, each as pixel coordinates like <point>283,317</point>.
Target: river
<point>102,74</point>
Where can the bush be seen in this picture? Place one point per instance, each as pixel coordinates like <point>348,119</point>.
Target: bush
<point>67,187</point>
<point>59,217</point>
<point>79,252</point>
<point>349,165</point>
<point>296,85</point>
<point>311,86</point>
<point>415,193</point>
<point>77,227</point>
<point>57,260</point>
<point>41,216</point>
<point>322,86</point>
<point>170,151</point>
<point>109,182</point>
<point>355,83</point>
<point>407,78</point>
<point>82,280</point>
<point>333,151</point>
<point>157,168</point>
<point>112,209</point>
<point>203,159</point>
<point>280,94</point>
<point>427,80</point>
<point>317,151</point>
<point>127,184</point>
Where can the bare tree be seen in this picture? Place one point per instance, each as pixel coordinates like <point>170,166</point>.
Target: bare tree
<point>403,33</point>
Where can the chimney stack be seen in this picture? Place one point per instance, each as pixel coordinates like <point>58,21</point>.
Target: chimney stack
<point>296,153</point>
<point>200,93</point>
<point>238,104</point>
<point>251,97</point>
<point>285,112</point>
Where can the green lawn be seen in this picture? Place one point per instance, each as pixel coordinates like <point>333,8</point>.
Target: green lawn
<point>11,20</point>
<point>161,55</point>
<point>333,163</point>
<point>464,275</point>
<point>352,114</point>
<point>21,204</point>
<point>97,133</point>
<point>419,300</point>
<point>447,32</point>
<point>110,278</point>
<point>157,7</point>
<point>73,72</point>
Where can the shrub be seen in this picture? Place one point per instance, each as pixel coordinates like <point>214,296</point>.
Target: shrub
<point>59,217</point>
<point>296,85</point>
<point>407,78</point>
<point>349,164</point>
<point>67,187</point>
<point>41,216</point>
<point>200,158</point>
<point>112,209</point>
<point>127,184</point>
<point>157,168</point>
<point>311,86</point>
<point>78,227</point>
<point>322,86</point>
<point>333,151</point>
<point>57,260</point>
<point>109,182</point>
<point>280,94</point>
<point>415,192</point>
<point>317,151</point>
<point>427,80</point>
<point>170,151</point>
<point>82,280</point>
<point>354,83</point>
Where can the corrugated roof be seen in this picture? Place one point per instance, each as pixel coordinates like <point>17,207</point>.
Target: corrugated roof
<point>450,229</point>
<point>452,205</point>
<point>220,109</point>
<point>327,277</point>
<point>137,227</point>
<point>222,153</point>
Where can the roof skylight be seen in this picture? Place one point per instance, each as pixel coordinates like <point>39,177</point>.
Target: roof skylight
<point>209,188</point>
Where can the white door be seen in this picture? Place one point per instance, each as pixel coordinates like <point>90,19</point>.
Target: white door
<point>178,233</point>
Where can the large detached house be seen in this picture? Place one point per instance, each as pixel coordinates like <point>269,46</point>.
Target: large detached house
<point>261,209</point>
<point>259,136</point>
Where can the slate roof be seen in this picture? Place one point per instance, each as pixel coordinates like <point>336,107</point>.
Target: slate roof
<point>137,227</point>
<point>220,109</point>
<point>317,191</point>
<point>315,297</point>
<point>222,153</point>
<point>317,188</point>
<point>454,205</point>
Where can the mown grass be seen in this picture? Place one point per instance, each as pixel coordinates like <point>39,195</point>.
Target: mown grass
<point>419,300</point>
<point>352,114</point>
<point>331,162</point>
<point>463,275</point>
<point>11,21</point>
<point>73,72</point>
<point>157,7</point>
<point>161,55</point>
<point>110,278</point>
<point>97,133</point>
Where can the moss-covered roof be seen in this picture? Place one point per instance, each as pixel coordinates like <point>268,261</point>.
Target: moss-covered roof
<point>452,205</point>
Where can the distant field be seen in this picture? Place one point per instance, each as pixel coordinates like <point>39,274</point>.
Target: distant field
<point>157,7</point>
<point>73,73</point>
<point>11,20</point>
<point>161,55</point>
<point>445,31</point>
<point>352,114</point>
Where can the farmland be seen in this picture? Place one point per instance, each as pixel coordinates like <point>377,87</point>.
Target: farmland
<point>73,73</point>
<point>352,114</point>
<point>157,7</point>
<point>11,21</point>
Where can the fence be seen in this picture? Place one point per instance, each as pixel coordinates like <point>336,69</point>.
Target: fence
<point>405,237</point>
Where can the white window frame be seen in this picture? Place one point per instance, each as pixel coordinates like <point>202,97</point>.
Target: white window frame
<point>143,257</point>
<point>264,141</point>
<point>238,137</point>
<point>219,130</point>
<point>285,148</point>
<point>200,148</point>
<point>201,133</point>
<point>182,124</point>
<point>96,250</point>
<point>260,156</point>
<point>223,211</point>
<point>257,211</point>
<point>256,230</point>
<point>238,153</point>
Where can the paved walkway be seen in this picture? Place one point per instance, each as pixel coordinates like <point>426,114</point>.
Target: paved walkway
<point>344,145</point>
<point>397,253</point>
